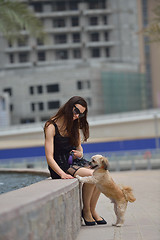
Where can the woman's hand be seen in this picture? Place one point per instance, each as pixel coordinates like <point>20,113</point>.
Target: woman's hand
<point>66,176</point>
<point>77,154</point>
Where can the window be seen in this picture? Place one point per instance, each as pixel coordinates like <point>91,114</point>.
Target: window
<point>76,37</point>
<point>61,54</point>
<point>97,4</point>
<point>59,22</point>
<point>32,107</point>
<point>11,58</point>
<point>76,53</point>
<point>23,57</point>
<point>40,42</point>
<point>44,119</point>
<point>8,90</point>
<point>2,103</point>
<point>106,36</point>
<point>31,90</point>
<point>107,52</point>
<point>79,85</point>
<point>60,6</point>
<point>93,4</point>
<point>40,106</point>
<point>94,37</point>
<point>40,89</point>
<point>41,56</point>
<point>52,88</point>
<point>75,21</point>
<point>145,13</point>
<point>93,21</point>
<point>53,105</point>
<point>10,44</point>
<point>38,7</point>
<point>11,107</point>
<point>83,84</point>
<point>73,5</point>
<point>104,19</point>
<point>23,42</point>
<point>95,52</point>
<point>27,120</point>
<point>61,38</point>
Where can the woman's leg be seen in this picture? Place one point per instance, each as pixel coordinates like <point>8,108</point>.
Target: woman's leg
<point>87,192</point>
<point>90,196</point>
<point>93,203</point>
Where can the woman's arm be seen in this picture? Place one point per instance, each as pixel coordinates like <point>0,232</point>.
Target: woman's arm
<point>49,151</point>
<point>78,153</point>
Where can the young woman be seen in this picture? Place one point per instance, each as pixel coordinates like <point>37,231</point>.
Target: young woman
<point>62,137</point>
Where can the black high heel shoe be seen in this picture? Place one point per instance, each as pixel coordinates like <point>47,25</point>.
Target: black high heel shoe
<point>88,223</point>
<point>101,221</point>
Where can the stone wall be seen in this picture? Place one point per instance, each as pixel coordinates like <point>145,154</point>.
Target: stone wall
<point>47,210</point>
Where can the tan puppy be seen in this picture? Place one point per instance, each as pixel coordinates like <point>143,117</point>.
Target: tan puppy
<point>119,195</point>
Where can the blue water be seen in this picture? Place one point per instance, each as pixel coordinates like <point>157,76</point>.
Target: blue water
<point>13,181</point>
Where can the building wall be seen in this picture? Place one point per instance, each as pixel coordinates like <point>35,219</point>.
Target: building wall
<point>4,110</point>
<point>125,21</point>
<point>66,78</point>
<point>74,56</point>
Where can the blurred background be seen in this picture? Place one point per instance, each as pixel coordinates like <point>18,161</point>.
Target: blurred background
<point>97,49</point>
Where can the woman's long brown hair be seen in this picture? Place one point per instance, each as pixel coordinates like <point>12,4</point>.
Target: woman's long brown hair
<point>72,126</point>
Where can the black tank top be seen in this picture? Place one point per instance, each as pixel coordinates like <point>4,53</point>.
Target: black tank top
<point>62,148</point>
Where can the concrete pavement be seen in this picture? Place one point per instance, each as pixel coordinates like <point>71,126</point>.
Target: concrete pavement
<point>142,219</point>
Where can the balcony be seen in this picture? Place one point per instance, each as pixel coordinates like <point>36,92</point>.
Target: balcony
<point>57,14</point>
<point>18,65</point>
<point>60,46</point>
<point>99,28</point>
<point>63,30</point>
<point>101,44</point>
<point>96,12</point>
<point>18,49</point>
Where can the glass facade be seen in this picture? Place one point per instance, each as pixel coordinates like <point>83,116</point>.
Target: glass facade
<point>124,91</point>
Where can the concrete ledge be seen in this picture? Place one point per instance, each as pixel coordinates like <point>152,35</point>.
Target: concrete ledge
<point>46,210</point>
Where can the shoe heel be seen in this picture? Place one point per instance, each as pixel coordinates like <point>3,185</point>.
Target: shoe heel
<point>88,223</point>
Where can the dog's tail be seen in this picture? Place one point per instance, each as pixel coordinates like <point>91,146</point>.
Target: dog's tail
<point>127,191</point>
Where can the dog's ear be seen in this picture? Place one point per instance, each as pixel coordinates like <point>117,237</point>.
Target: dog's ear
<point>105,163</point>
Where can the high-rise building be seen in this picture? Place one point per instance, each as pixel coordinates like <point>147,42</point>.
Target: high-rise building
<point>92,50</point>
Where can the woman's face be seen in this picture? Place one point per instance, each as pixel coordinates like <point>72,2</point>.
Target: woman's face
<point>78,111</point>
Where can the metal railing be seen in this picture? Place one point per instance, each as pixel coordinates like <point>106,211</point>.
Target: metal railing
<point>131,160</point>
<point>119,160</point>
<point>28,162</point>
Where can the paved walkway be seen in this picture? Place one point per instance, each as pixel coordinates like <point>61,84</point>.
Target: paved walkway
<point>142,220</point>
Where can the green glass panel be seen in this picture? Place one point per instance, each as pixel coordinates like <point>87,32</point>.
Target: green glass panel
<point>124,91</point>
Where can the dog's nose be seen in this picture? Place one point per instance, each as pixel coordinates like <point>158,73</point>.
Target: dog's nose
<point>90,163</point>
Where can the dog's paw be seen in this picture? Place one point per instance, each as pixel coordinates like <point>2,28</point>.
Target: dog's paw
<point>114,224</point>
<point>117,224</point>
<point>79,178</point>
